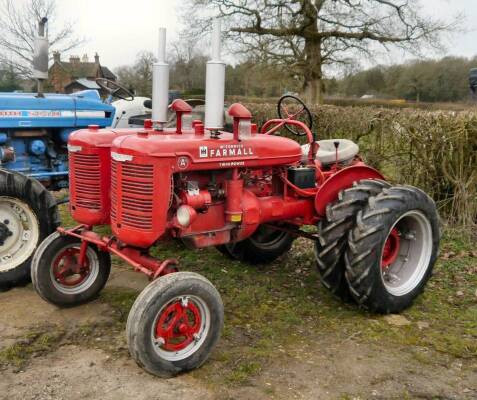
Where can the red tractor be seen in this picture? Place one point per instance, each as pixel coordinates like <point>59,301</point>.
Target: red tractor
<point>245,192</point>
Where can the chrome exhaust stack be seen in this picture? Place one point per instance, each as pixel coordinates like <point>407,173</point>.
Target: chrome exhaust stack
<point>160,84</point>
<point>215,84</point>
<point>40,56</point>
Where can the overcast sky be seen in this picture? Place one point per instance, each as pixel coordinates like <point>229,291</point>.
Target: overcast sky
<point>118,29</point>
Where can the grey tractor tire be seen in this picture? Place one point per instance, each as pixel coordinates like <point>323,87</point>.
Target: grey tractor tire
<point>366,243</point>
<point>42,203</point>
<point>252,251</point>
<point>146,308</point>
<point>42,277</point>
<point>333,233</point>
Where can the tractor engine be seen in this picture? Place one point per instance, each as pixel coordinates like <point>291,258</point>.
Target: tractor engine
<point>188,185</point>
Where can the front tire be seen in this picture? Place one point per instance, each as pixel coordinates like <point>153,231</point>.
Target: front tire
<point>174,324</point>
<point>59,279</point>
<point>28,214</point>
<point>392,250</point>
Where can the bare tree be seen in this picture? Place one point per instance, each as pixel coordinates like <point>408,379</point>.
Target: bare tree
<point>305,35</point>
<point>138,77</point>
<point>19,26</point>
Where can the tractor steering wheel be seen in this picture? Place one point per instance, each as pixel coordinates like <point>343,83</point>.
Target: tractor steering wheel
<point>291,107</point>
<point>115,89</point>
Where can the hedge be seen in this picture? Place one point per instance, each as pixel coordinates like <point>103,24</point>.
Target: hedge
<point>434,150</point>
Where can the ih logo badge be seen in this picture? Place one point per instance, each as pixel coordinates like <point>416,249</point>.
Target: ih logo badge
<point>183,162</point>
<point>203,152</point>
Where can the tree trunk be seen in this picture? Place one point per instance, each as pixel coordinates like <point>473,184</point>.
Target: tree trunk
<point>313,91</point>
<point>312,74</point>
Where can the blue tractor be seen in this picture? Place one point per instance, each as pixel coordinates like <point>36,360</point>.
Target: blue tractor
<point>34,130</point>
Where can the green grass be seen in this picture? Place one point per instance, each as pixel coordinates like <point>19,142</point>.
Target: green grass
<point>279,308</point>
<point>35,343</point>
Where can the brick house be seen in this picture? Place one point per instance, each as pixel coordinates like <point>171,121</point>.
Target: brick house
<point>76,74</point>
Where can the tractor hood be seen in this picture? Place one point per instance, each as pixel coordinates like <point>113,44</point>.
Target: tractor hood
<point>200,152</point>
<point>26,110</point>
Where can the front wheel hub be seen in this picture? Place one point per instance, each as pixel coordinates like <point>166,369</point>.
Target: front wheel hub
<point>180,327</point>
<point>67,270</point>
<point>68,275</point>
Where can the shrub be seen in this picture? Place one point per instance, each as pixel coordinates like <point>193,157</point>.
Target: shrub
<point>434,150</point>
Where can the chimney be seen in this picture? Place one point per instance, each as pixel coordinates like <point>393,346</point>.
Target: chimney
<point>74,59</point>
<point>84,58</point>
<point>56,56</point>
<point>96,58</point>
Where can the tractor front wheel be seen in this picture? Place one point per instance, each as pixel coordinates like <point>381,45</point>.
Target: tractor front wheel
<point>28,214</point>
<point>60,278</point>
<point>392,249</point>
<point>174,324</point>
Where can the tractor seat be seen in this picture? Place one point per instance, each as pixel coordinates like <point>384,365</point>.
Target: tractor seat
<point>347,150</point>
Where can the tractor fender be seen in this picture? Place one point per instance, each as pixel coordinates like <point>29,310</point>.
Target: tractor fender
<point>343,179</point>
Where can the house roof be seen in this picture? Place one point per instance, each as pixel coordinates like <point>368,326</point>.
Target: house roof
<point>80,69</point>
<point>88,84</point>
<point>107,73</point>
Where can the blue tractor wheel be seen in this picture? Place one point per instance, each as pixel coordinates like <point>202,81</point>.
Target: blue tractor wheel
<point>28,214</point>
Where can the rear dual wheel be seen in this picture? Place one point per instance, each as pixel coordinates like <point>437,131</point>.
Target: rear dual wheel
<point>392,249</point>
<point>378,245</point>
<point>333,234</point>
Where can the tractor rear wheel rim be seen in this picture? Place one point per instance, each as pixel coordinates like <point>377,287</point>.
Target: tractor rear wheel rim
<point>406,253</point>
<point>21,232</point>
<point>180,327</point>
<point>68,276</point>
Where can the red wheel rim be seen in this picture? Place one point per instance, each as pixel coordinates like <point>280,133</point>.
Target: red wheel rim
<point>67,269</point>
<point>178,324</point>
<point>391,248</point>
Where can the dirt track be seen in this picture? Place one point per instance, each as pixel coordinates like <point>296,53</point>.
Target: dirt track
<point>67,367</point>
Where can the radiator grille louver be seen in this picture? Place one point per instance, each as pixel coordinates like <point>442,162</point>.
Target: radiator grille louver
<point>87,178</point>
<point>133,192</point>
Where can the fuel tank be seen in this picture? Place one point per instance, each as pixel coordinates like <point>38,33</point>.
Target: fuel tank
<point>205,152</point>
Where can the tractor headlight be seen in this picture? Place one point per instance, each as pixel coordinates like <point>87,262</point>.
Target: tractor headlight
<point>185,215</point>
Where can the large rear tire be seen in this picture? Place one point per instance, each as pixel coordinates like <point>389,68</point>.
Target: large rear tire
<point>264,246</point>
<point>28,214</point>
<point>333,232</point>
<point>174,324</point>
<point>392,249</point>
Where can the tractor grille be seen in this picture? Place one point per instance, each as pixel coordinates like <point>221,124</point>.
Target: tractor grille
<point>132,191</point>
<point>87,178</point>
